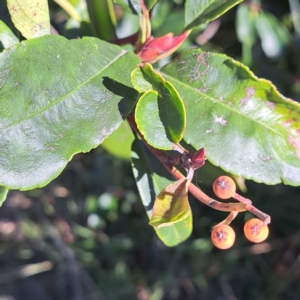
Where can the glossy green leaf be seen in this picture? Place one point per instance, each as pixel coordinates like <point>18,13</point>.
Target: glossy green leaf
<point>274,35</point>
<point>244,124</point>
<point>198,12</point>
<point>31,18</point>
<point>149,123</point>
<point>58,98</point>
<point>151,177</point>
<point>7,37</point>
<point>119,142</point>
<point>3,194</point>
<point>160,113</point>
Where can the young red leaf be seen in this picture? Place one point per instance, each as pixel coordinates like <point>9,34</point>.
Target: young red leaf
<point>156,49</point>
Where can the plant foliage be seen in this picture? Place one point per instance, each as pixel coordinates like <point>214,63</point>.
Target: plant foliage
<point>60,97</point>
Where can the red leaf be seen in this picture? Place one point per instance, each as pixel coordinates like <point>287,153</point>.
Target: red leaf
<point>157,48</point>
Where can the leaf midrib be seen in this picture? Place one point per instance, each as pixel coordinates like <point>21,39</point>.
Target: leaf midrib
<point>67,94</point>
<point>221,103</point>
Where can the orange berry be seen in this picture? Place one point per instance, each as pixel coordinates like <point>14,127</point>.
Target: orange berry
<point>255,230</point>
<point>223,236</point>
<point>224,187</point>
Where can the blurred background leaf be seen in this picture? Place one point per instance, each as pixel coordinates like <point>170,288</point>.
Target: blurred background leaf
<point>274,36</point>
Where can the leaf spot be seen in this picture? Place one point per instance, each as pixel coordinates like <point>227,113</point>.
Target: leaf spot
<point>250,91</point>
<point>203,90</point>
<point>264,157</point>
<point>295,142</point>
<point>13,8</point>
<point>271,105</point>
<point>220,120</point>
<point>104,132</point>
<point>287,123</point>
<point>196,73</point>
<point>33,29</point>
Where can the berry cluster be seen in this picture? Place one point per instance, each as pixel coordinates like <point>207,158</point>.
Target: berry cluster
<point>222,235</point>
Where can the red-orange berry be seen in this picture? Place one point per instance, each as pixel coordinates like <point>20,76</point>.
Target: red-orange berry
<point>255,230</point>
<point>223,236</point>
<point>224,187</point>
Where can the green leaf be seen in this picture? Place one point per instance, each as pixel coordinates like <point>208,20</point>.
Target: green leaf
<point>172,209</point>
<point>151,177</point>
<point>119,142</point>
<point>160,113</point>
<point>31,18</point>
<point>7,37</point>
<point>198,12</point>
<point>244,124</point>
<point>58,98</point>
<point>176,233</point>
<point>3,194</point>
<point>274,35</point>
<point>171,205</point>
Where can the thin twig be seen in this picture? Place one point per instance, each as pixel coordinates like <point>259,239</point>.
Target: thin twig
<point>229,219</point>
